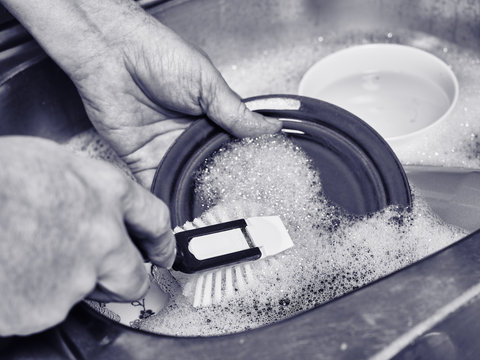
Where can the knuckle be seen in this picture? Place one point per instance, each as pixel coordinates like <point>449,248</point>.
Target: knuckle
<point>132,281</point>
<point>84,284</point>
<point>110,181</point>
<point>125,276</point>
<point>106,236</point>
<point>163,216</point>
<point>119,185</point>
<point>241,120</point>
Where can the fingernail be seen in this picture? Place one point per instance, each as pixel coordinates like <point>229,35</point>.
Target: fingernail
<point>272,121</point>
<point>275,122</point>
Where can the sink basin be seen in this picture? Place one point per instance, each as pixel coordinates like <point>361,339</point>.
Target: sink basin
<point>264,48</point>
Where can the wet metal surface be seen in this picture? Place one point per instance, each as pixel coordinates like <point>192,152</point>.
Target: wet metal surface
<point>37,99</point>
<point>356,326</point>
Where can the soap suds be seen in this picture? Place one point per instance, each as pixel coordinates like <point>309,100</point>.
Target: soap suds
<point>454,143</point>
<point>332,254</point>
<point>89,143</point>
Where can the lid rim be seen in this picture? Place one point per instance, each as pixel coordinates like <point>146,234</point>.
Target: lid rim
<point>174,176</point>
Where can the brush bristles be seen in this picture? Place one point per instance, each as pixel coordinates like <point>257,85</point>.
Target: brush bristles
<point>213,287</point>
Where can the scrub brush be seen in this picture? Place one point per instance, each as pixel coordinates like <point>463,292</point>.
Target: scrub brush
<point>217,256</point>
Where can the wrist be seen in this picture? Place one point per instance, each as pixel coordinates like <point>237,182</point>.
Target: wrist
<point>77,32</point>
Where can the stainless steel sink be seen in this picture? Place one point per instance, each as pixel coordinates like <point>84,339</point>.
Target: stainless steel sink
<point>254,44</point>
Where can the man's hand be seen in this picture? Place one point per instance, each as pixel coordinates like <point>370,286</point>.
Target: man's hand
<point>144,91</point>
<point>63,233</point>
<point>141,84</point>
<point>63,217</point>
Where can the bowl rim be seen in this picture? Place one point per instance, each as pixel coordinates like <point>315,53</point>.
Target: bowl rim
<point>397,139</point>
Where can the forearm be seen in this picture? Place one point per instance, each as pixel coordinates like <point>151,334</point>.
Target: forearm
<point>75,31</point>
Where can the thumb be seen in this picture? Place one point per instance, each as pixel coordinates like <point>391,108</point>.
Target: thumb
<point>223,106</point>
<point>148,220</point>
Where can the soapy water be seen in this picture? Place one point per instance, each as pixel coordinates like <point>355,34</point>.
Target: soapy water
<point>454,143</point>
<point>89,143</point>
<point>412,104</point>
<point>333,254</point>
<point>279,69</point>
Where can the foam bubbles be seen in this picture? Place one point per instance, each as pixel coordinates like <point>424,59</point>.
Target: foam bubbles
<point>89,143</point>
<point>332,254</point>
<point>455,143</point>
<point>256,167</point>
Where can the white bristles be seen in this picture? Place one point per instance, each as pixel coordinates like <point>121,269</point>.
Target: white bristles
<point>211,219</point>
<point>249,274</point>
<point>239,278</point>
<point>229,290</point>
<point>188,226</point>
<point>197,222</point>
<point>188,287</point>
<point>197,299</point>
<point>177,229</point>
<point>217,297</point>
<point>210,288</point>
<point>217,285</point>
<point>207,290</point>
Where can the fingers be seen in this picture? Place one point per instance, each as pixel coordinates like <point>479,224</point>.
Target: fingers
<point>126,205</point>
<point>148,220</point>
<point>226,109</point>
<point>122,275</point>
<point>145,177</point>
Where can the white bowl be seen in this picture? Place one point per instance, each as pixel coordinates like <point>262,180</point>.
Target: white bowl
<point>399,90</point>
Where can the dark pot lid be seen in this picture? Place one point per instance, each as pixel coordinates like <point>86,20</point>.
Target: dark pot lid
<point>358,170</point>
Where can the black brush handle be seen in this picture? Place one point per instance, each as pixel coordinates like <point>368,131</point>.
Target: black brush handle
<point>186,262</point>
